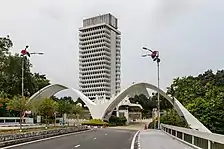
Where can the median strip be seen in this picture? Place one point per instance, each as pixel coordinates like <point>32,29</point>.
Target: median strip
<point>13,140</point>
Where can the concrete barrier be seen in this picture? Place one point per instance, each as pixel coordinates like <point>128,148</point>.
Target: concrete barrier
<point>11,139</point>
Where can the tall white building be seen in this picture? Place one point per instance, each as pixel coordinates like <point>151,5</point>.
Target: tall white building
<point>99,56</point>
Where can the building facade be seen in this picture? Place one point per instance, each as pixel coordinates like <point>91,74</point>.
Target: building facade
<point>99,57</point>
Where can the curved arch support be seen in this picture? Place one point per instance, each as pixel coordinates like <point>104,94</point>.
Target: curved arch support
<point>103,111</point>
<point>51,90</point>
<point>181,110</point>
<point>47,92</point>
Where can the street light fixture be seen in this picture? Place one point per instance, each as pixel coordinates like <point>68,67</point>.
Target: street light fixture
<point>23,54</point>
<point>155,56</point>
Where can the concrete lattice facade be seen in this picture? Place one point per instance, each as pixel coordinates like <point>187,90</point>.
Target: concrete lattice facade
<point>99,57</point>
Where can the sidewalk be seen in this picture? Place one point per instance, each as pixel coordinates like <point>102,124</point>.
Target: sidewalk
<point>156,139</point>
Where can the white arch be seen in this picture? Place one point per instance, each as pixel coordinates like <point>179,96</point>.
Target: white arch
<point>104,111</point>
<point>181,110</point>
<point>50,90</point>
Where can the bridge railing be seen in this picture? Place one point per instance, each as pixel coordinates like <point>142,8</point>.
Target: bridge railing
<point>195,138</point>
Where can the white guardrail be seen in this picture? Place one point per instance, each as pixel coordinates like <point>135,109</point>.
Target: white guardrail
<point>195,138</point>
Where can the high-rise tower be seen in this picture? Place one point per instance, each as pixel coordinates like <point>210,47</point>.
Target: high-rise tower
<point>99,56</point>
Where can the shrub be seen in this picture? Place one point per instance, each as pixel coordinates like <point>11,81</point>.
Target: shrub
<point>95,122</point>
<point>151,124</point>
<point>117,121</point>
<point>172,118</point>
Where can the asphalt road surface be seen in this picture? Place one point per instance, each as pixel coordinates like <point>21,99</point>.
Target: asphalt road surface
<point>100,139</point>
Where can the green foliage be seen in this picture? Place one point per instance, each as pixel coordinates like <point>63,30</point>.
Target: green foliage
<point>10,76</point>
<point>117,121</point>
<point>46,108</point>
<point>172,118</point>
<point>18,104</point>
<point>203,96</point>
<point>64,107</point>
<point>80,101</point>
<point>66,98</point>
<point>77,110</point>
<point>149,103</point>
<point>95,122</point>
<point>10,72</point>
<point>153,124</point>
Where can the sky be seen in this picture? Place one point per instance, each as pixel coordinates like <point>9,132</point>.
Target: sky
<point>188,34</point>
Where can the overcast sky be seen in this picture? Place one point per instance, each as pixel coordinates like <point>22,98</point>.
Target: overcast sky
<point>188,33</point>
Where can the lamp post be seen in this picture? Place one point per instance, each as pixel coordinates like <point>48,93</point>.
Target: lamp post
<point>155,56</point>
<point>24,53</point>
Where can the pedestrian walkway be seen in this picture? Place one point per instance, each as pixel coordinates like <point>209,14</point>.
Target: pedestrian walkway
<point>156,139</point>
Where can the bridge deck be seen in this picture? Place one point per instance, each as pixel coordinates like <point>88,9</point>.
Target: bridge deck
<point>156,139</point>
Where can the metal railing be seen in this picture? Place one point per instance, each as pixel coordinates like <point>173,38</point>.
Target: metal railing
<point>195,138</point>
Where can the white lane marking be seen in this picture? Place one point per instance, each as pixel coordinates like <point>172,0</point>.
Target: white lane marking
<point>77,146</point>
<point>25,143</point>
<point>94,138</point>
<point>133,140</point>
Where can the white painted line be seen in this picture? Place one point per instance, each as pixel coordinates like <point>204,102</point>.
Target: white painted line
<point>94,138</point>
<point>25,143</point>
<point>133,140</point>
<point>77,146</point>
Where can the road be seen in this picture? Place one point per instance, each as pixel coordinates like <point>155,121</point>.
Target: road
<point>156,139</point>
<point>105,138</point>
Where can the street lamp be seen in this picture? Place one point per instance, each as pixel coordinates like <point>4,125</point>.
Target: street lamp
<point>23,54</point>
<point>155,56</point>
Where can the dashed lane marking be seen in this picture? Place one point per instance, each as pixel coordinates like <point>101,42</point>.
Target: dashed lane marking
<point>77,146</point>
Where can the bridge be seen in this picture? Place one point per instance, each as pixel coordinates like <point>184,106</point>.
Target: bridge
<point>168,137</point>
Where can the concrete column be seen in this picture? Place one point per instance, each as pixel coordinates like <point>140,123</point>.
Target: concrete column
<point>182,136</point>
<point>117,111</point>
<point>127,116</point>
<point>193,140</point>
<point>209,144</point>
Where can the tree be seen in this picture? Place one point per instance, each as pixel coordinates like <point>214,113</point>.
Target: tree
<point>10,76</point>
<point>79,100</point>
<point>3,104</point>
<point>47,108</point>
<point>19,104</point>
<point>77,110</point>
<point>64,107</point>
<point>10,72</point>
<point>172,118</point>
<point>149,103</point>
<point>203,96</point>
